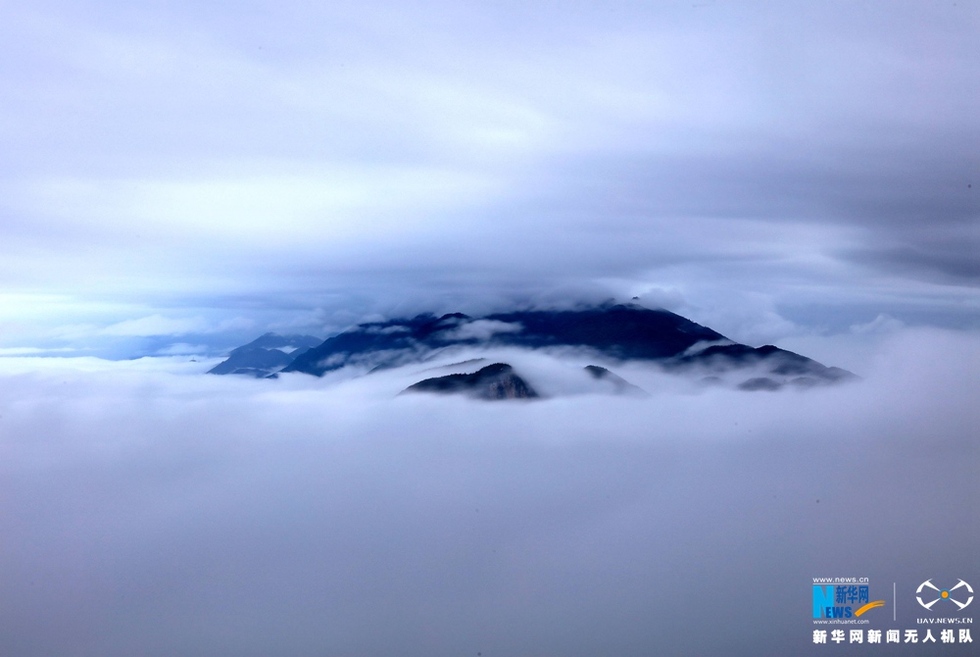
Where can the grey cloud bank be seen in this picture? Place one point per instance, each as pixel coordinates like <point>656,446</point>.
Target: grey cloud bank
<point>288,163</point>
<point>159,511</point>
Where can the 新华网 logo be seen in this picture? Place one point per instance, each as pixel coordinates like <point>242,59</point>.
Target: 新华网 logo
<point>928,594</point>
<point>842,601</point>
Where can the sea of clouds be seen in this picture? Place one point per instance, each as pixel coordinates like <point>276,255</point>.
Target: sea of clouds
<point>148,509</point>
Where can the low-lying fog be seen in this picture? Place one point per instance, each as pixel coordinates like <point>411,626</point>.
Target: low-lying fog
<point>148,509</point>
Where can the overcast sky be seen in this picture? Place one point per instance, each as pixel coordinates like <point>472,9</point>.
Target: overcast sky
<point>179,177</point>
<point>192,170</point>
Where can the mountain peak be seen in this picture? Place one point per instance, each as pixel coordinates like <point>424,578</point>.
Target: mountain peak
<point>613,331</point>
<point>265,355</point>
<point>493,382</point>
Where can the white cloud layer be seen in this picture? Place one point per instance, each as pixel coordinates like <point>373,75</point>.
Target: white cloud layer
<point>482,329</point>
<point>149,509</point>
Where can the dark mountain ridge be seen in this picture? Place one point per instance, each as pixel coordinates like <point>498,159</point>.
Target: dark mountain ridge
<point>616,332</point>
<point>621,332</point>
<point>265,355</point>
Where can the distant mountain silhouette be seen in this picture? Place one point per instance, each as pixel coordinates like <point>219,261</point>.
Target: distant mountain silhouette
<point>780,362</point>
<point>265,355</point>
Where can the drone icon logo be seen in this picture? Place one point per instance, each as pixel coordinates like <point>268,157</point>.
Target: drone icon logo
<point>943,594</point>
